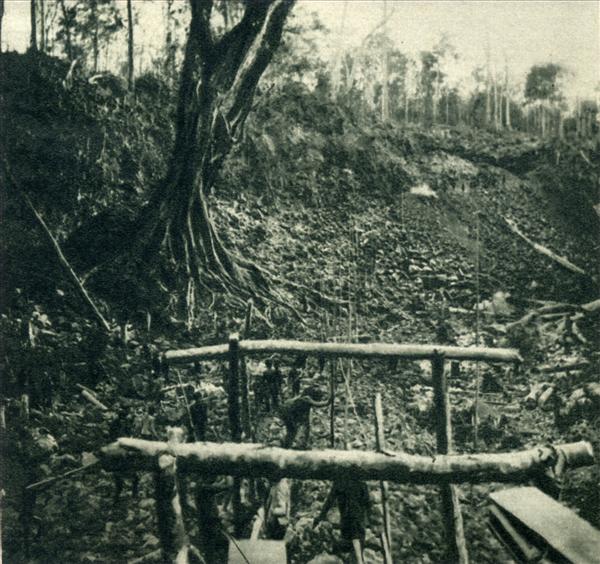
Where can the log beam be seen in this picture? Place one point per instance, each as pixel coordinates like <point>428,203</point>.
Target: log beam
<point>257,460</point>
<point>351,350</point>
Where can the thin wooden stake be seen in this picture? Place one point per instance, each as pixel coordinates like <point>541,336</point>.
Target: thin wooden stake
<point>332,386</point>
<point>245,404</point>
<point>383,485</point>
<point>234,424</point>
<point>234,389</point>
<point>453,522</point>
<point>59,254</point>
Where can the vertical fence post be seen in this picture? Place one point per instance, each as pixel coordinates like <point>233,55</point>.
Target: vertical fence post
<point>233,388</point>
<point>332,386</point>
<point>383,486</point>
<point>233,393</point>
<point>245,404</point>
<point>453,522</point>
<point>174,539</point>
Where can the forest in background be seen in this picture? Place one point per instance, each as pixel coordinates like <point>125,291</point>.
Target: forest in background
<point>366,200</point>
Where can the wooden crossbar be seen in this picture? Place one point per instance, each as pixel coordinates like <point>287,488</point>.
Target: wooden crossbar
<point>258,460</point>
<point>350,350</point>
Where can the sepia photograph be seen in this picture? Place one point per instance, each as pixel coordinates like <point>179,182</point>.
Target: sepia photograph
<point>299,281</point>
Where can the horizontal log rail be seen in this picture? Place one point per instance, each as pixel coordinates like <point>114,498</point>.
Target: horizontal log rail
<point>257,460</point>
<point>351,350</point>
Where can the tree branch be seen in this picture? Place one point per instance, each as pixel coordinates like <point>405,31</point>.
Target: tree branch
<point>565,263</point>
<point>255,62</point>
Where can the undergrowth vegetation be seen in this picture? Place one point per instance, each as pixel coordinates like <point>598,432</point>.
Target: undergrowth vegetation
<point>321,195</point>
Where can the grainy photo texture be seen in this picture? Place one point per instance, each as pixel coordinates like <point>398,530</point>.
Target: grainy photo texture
<point>299,281</point>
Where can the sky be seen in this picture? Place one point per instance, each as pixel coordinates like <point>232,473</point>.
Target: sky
<point>520,32</point>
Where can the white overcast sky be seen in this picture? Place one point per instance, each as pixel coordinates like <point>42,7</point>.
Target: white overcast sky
<point>524,32</point>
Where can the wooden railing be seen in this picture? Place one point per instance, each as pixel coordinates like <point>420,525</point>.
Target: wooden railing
<point>342,350</point>
<point>445,469</point>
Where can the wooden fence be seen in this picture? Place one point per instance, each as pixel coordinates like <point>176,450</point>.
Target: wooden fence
<point>254,460</point>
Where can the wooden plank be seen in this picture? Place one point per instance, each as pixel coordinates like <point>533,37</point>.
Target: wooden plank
<point>563,530</point>
<point>349,350</point>
<point>246,551</point>
<point>519,546</point>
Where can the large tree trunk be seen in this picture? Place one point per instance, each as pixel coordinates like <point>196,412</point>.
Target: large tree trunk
<point>217,86</point>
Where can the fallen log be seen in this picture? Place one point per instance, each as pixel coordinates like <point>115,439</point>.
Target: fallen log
<point>568,367</point>
<point>351,350</point>
<point>256,460</point>
<point>531,400</point>
<point>93,400</point>
<point>591,307</point>
<point>545,396</point>
<point>562,261</point>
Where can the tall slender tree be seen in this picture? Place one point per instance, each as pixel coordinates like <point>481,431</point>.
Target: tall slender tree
<point>1,18</point>
<point>42,26</point>
<point>542,88</point>
<point>507,97</point>
<point>66,30</point>
<point>33,18</point>
<point>94,24</point>
<point>385,70</point>
<point>129,45</point>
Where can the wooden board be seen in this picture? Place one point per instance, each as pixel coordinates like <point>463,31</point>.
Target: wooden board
<point>562,529</point>
<point>517,544</point>
<point>257,552</point>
